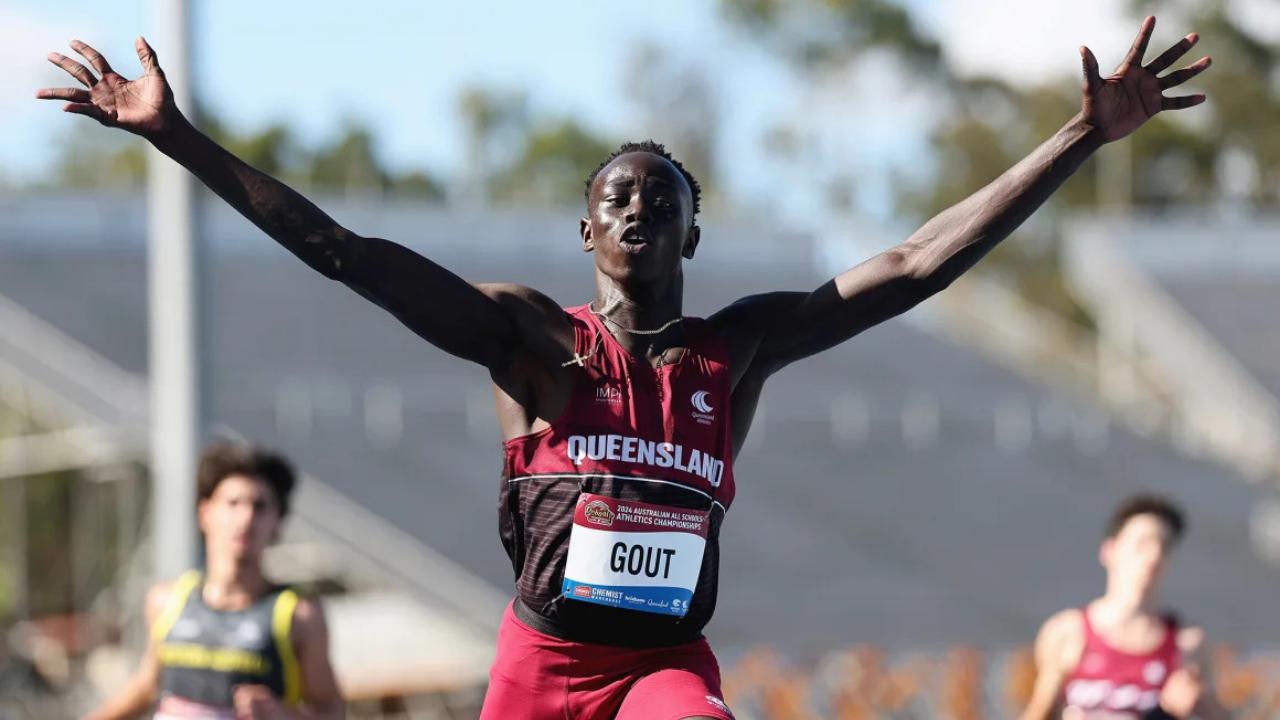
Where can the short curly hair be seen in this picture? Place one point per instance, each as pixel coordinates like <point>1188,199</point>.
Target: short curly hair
<point>657,148</point>
<point>222,460</point>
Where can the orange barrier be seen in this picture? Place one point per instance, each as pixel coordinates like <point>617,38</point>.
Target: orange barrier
<point>964,683</point>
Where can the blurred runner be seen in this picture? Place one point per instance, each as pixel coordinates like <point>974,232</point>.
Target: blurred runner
<point>1122,656</point>
<point>226,643</point>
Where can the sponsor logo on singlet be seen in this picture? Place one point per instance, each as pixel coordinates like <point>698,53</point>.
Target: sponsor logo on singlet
<point>646,452</point>
<point>1105,694</point>
<point>702,410</point>
<point>611,394</point>
<point>247,634</point>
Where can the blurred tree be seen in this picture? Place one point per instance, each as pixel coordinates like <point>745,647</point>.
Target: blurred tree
<point>349,164</point>
<point>495,123</point>
<point>551,167</point>
<point>828,31</point>
<point>989,124</point>
<point>514,158</point>
<point>92,161</point>
<point>678,108</point>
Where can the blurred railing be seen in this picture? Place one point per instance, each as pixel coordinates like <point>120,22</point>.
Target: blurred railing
<point>1211,404</point>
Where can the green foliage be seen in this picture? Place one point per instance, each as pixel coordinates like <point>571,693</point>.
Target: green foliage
<point>551,168</point>
<point>348,164</point>
<point>990,124</point>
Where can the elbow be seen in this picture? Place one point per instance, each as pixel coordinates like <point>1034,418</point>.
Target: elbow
<point>920,272</point>
<point>333,252</point>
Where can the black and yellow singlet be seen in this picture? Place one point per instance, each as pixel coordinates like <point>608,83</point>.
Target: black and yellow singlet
<point>205,653</point>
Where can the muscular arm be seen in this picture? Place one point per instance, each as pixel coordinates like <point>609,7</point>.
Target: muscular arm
<point>795,326</point>
<point>481,325</point>
<point>441,307</point>
<point>927,262</point>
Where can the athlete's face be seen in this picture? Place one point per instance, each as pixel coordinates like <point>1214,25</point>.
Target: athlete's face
<point>240,518</point>
<point>639,218</point>
<point>1137,553</point>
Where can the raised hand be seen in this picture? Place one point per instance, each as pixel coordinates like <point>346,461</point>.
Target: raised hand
<point>143,106</point>
<point>1134,93</point>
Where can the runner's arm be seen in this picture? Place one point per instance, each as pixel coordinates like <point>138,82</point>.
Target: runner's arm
<point>1195,650</point>
<point>1046,696</point>
<point>460,318</point>
<point>447,311</point>
<point>957,238</point>
<point>320,694</point>
<point>797,326</point>
<point>138,694</point>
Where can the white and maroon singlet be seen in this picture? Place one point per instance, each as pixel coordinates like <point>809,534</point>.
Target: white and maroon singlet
<point>611,516</point>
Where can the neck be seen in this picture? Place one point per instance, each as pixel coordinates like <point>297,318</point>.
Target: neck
<point>644,307</point>
<point>232,581</point>
<point>1127,601</point>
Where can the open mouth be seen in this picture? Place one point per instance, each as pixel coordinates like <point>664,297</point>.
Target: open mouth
<point>634,241</point>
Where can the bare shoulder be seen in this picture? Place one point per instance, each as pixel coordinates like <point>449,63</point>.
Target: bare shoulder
<point>310,628</point>
<point>746,324</point>
<point>756,310</point>
<point>513,296</point>
<point>533,312</point>
<point>308,613</point>
<point>158,597</point>
<point>1191,639</point>
<point>1061,637</point>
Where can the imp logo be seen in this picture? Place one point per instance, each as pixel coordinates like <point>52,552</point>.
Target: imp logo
<point>702,408</point>
<point>597,512</point>
<point>610,394</point>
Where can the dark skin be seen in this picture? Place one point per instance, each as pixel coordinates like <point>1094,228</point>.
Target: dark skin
<point>525,339</point>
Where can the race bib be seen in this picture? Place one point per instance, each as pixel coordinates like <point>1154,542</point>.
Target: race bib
<point>635,555</point>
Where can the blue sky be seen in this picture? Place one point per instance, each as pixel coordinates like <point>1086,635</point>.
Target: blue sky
<point>398,65</point>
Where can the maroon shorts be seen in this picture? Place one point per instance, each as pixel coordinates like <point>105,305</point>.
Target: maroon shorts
<point>539,677</point>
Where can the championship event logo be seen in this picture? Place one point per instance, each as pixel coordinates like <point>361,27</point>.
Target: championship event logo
<point>598,512</point>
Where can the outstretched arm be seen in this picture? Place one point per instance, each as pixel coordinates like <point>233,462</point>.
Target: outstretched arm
<point>798,325</point>
<point>478,324</point>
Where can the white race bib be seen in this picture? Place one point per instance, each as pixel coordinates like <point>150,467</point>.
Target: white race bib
<point>635,555</point>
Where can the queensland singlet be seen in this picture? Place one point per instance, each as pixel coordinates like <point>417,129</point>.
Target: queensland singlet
<point>1110,684</point>
<point>611,516</point>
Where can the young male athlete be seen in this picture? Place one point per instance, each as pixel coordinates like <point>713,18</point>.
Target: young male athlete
<point>1121,656</point>
<point>622,417</point>
<point>225,643</point>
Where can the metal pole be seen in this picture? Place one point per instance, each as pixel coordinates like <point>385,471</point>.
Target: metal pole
<point>173,292</point>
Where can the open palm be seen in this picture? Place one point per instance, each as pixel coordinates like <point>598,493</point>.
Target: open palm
<point>1134,93</point>
<point>143,106</point>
